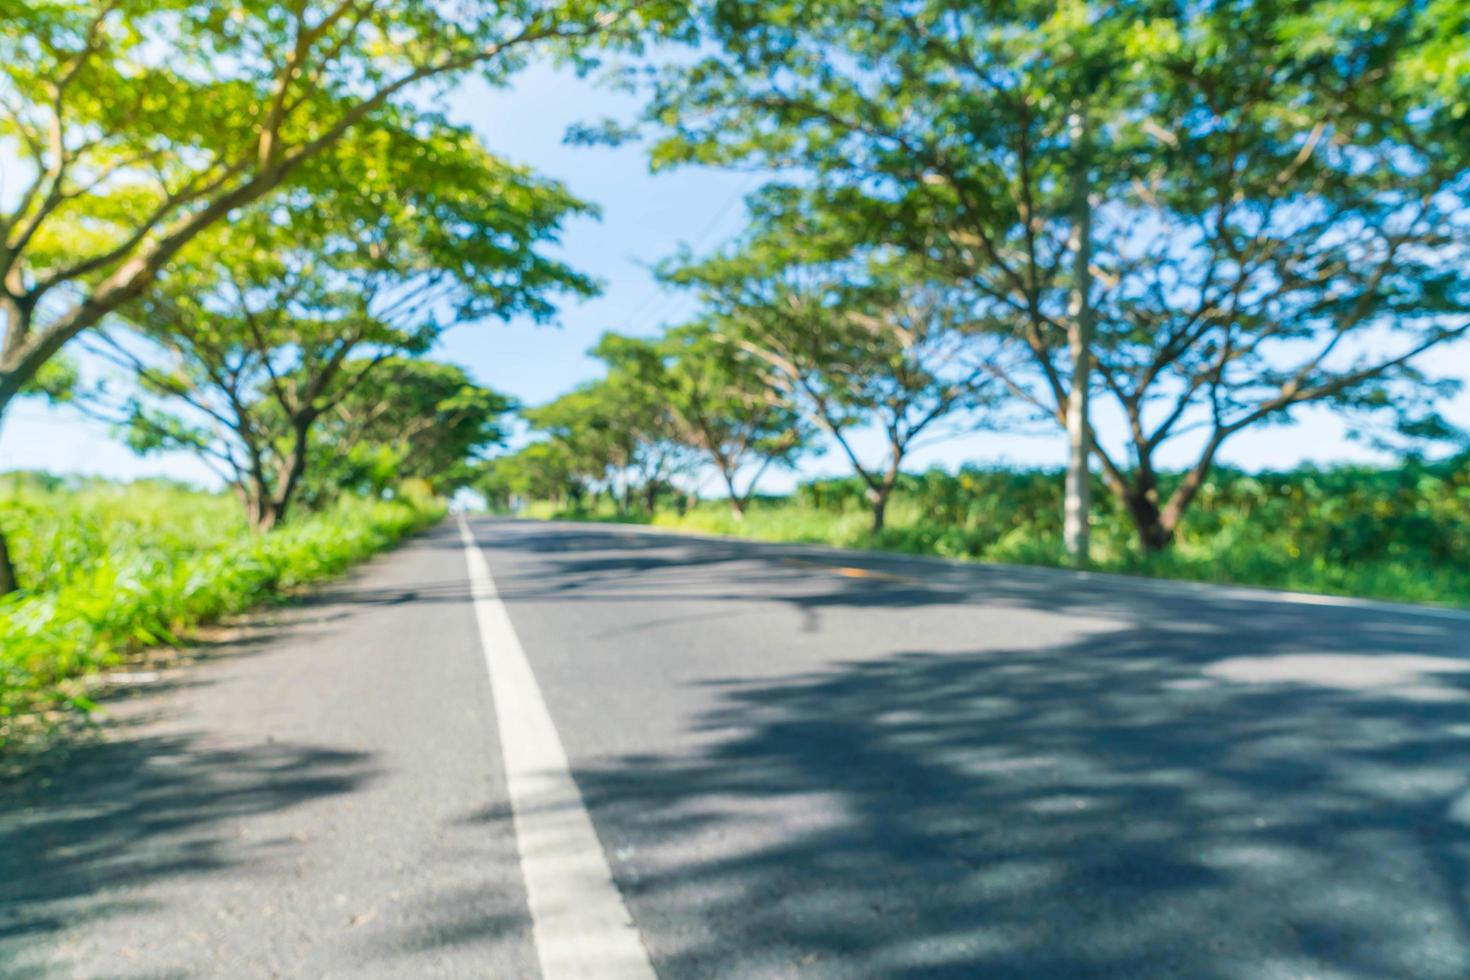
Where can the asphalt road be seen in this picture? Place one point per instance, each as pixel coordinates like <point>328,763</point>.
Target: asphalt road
<point>797,762</point>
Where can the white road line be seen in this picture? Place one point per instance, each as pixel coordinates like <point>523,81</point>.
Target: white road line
<point>581,926</point>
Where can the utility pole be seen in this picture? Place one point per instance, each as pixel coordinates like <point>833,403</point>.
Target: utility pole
<point>1077,501</point>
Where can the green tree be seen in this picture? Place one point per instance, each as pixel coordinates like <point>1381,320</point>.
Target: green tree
<point>966,135</point>
<point>720,400</point>
<point>1256,206</point>
<point>253,328</point>
<point>618,433</point>
<point>544,470</point>
<point>849,340</point>
<point>139,124</point>
<point>404,419</point>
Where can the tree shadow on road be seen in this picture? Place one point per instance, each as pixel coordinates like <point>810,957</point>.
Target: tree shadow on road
<point>475,912</point>
<point>1237,801</point>
<point>592,564</point>
<point>77,837</point>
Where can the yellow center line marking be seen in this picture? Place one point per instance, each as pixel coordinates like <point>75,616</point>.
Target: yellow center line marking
<point>850,571</point>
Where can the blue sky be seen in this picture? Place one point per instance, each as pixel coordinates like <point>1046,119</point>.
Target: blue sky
<point>644,218</point>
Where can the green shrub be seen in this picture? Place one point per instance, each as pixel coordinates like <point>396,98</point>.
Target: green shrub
<point>1400,533</point>
<point>109,570</point>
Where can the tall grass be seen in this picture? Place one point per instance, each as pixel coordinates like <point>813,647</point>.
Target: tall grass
<point>1398,533</point>
<point>108,570</point>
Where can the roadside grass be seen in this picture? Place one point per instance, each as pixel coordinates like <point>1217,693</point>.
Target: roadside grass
<point>110,570</point>
<point>1399,534</point>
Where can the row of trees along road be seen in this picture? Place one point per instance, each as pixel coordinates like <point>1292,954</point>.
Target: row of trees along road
<point>1203,216</point>
<point>267,192</point>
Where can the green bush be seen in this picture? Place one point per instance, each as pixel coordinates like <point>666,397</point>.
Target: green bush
<point>108,570</point>
<point>1400,533</point>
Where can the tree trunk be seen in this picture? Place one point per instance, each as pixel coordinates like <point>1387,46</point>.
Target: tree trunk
<point>1155,520</point>
<point>1077,496</point>
<point>8,581</point>
<point>879,493</point>
<point>21,355</point>
<point>1142,502</point>
<point>1194,480</point>
<point>650,496</point>
<point>16,326</point>
<point>879,499</point>
<point>279,503</point>
<point>1153,536</point>
<point>737,505</point>
<point>262,515</point>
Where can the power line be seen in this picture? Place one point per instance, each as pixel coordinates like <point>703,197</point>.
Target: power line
<point>657,298</point>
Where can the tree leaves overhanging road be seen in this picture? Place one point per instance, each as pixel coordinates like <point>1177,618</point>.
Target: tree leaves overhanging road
<point>133,127</point>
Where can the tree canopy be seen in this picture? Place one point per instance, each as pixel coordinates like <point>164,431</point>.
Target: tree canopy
<point>251,328</point>
<point>847,340</point>
<point>405,419</point>
<point>1153,226</point>
<point>720,402</point>
<point>1267,201</point>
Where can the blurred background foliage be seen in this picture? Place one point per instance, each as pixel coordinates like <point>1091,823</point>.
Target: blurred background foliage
<point>1397,533</point>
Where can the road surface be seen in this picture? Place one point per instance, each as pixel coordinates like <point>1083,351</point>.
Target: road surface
<point>722,759</point>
